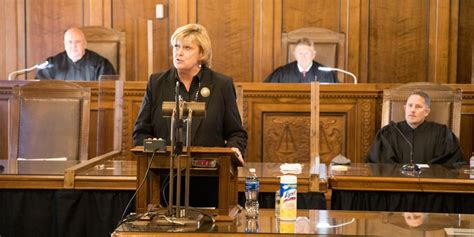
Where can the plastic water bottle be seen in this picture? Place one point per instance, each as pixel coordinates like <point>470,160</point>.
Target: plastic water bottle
<point>252,187</point>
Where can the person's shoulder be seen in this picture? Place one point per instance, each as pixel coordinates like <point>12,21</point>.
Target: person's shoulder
<point>434,126</point>
<point>159,77</point>
<point>91,55</point>
<point>391,128</point>
<point>60,56</point>
<point>288,66</point>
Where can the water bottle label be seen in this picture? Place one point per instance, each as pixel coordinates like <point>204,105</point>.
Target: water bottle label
<point>252,186</point>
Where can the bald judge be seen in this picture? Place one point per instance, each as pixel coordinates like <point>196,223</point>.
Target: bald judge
<point>433,143</point>
<point>76,62</point>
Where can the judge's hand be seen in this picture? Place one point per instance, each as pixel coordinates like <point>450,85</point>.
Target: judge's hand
<point>239,154</point>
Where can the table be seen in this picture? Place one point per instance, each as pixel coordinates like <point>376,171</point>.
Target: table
<point>311,186</point>
<point>35,200</point>
<point>316,222</point>
<point>382,187</point>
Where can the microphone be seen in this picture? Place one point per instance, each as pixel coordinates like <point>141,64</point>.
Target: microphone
<point>43,65</point>
<point>178,143</point>
<point>330,69</point>
<point>410,167</point>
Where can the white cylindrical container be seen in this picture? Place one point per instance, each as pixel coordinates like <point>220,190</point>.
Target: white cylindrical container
<point>288,196</point>
<point>471,161</point>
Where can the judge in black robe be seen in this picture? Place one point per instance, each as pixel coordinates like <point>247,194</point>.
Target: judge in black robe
<point>88,68</point>
<point>304,69</point>
<point>432,143</point>
<point>290,73</point>
<point>76,62</point>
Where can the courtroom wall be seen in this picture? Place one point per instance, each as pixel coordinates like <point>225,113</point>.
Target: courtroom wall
<point>427,40</point>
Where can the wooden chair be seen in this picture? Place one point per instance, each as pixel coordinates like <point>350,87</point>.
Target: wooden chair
<point>49,119</point>
<point>330,47</point>
<point>445,104</point>
<point>110,44</point>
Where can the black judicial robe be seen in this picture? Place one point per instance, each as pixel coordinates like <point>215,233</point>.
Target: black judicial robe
<point>433,143</point>
<point>290,73</point>
<point>88,68</point>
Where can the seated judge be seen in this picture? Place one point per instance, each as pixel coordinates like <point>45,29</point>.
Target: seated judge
<point>221,127</point>
<point>76,62</point>
<point>304,69</point>
<point>433,143</point>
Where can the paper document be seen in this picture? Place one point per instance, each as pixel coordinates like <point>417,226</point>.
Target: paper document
<point>293,168</point>
<point>459,231</point>
<point>45,159</point>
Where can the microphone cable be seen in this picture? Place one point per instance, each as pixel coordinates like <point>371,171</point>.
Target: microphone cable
<point>136,216</point>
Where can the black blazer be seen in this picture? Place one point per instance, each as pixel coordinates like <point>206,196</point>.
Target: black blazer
<point>222,125</point>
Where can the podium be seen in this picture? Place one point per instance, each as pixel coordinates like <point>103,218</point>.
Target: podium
<point>226,171</point>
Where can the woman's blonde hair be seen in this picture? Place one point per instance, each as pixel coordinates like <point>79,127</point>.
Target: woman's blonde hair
<point>198,35</point>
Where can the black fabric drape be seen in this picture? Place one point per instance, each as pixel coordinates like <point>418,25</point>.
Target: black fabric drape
<point>402,201</point>
<point>61,212</point>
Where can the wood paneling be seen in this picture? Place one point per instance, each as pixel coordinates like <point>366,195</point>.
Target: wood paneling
<point>277,118</point>
<point>311,13</point>
<point>12,45</point>
<point>131,16</point>
<point>466,41</point>
<point>398,41</point>
<point>385,42</point>
<point>229,24</point>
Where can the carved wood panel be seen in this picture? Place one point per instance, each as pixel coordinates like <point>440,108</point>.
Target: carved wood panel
<point>285,137</point>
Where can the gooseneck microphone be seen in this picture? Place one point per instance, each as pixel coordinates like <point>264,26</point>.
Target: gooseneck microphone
<point>330,69</point>
<point>410,167</point>
<point>178,144</point>
<point>43,65</point>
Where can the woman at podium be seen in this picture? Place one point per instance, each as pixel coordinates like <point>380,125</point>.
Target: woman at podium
<point>194,81</point>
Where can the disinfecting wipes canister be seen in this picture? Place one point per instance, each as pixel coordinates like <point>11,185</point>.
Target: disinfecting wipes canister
<point>288,197</point>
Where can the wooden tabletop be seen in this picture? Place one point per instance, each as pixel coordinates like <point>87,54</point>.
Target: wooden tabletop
<point>315,222</point>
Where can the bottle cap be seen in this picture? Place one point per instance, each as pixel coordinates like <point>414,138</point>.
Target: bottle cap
<point>288,179</point>
<point>252,170</point>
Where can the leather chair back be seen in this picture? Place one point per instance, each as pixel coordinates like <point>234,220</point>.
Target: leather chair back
<point>49,119</point>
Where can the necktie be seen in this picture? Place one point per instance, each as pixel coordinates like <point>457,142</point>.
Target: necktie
<point>303,74</point>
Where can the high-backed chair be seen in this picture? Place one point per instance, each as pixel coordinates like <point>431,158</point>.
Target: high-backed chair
<point>110,44</point>
<point>49,119</point>
<point>330,46</point>
<point>445,104</point>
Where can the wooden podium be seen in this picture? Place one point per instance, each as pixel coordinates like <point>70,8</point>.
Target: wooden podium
<point>226,170</point>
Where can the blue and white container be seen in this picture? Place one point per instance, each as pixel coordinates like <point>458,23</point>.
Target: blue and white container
<point>288,197</point>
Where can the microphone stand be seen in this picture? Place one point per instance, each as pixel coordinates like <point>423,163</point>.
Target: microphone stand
<point>330,69</point>
<point>180,111</point>
<point>410,168</point>
<point>13,74</point>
